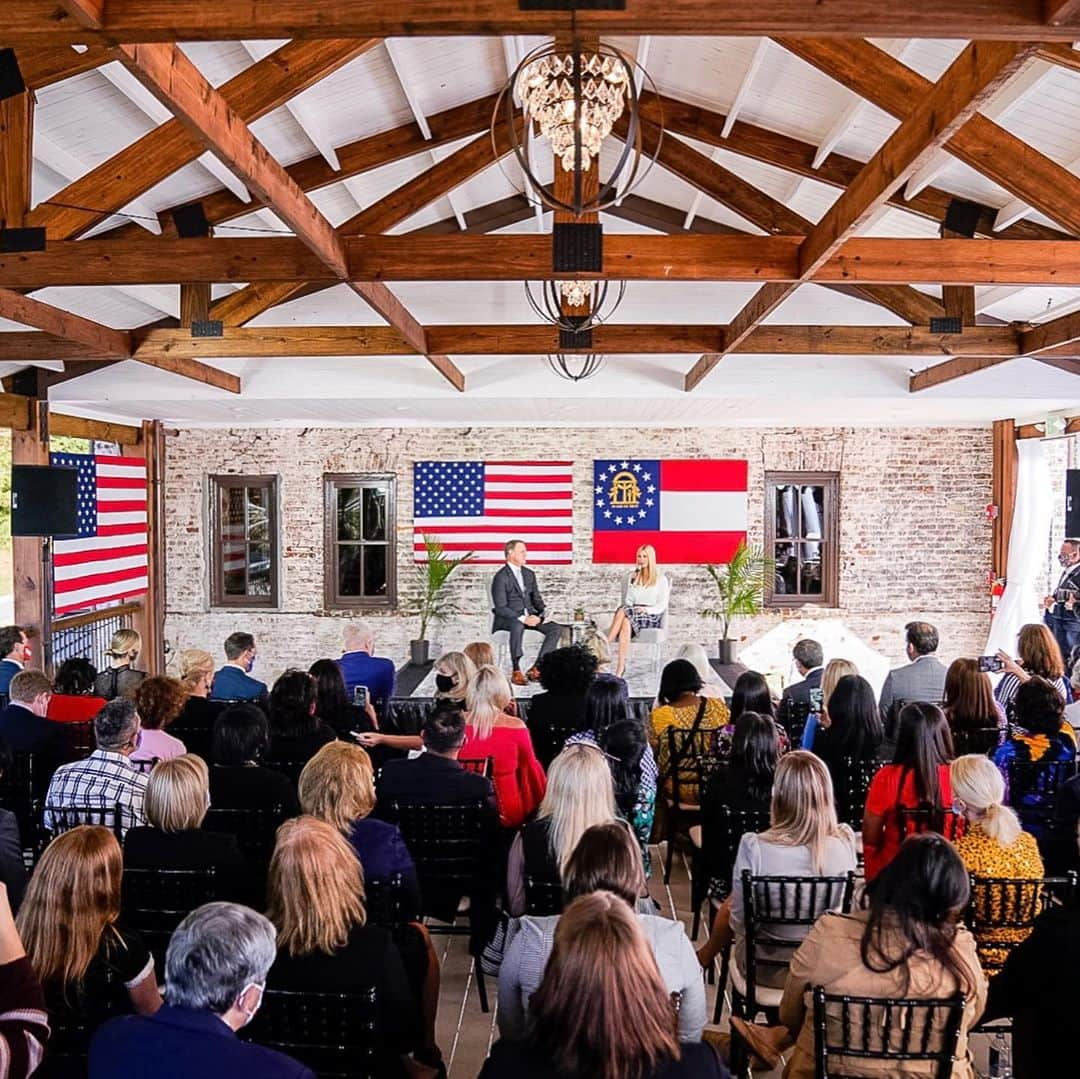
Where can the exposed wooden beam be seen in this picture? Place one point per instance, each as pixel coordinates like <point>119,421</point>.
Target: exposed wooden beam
<point>101,430</point>
<point>1062,12</point>
<point>951,369</point>
<point>194,20</point>
<point>903,301</point>
<point>1070,365</point>
<point>16,157</point>
<point>256,91</point>
<point>194,303</point>
<point>88,13</point>
<point>1049,335</point>
<point>1062,55</point>
<point>42,316</point>
<point>1003,493</point>
<point>980,143</point>
<point>14,411</point>
<point>43,66</point>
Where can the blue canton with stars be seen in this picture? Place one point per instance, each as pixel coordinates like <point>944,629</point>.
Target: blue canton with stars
<point>626,495</point>
<point>85,490</point>
<point>448,489</point>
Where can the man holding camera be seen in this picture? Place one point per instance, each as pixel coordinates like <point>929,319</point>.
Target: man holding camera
<point>1061,611</point>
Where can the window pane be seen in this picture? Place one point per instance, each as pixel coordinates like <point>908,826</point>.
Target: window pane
<point>233,541</point>
<point>811,571</point>
<point>258,515</point>
<point>349,513</point>
<point>258,570</point>
<point>813,511</point>
<point>348,570</point>
<point>232,511</point>
<point>786,569</point>
<point>375,571</point>
<point>234,582</point>
<point>787,512</point>
<point>374,513</point>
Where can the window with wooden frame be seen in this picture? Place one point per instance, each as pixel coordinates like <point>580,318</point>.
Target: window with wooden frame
<point>802,535</point>
<point>244,544</point>
<point>360,547</point>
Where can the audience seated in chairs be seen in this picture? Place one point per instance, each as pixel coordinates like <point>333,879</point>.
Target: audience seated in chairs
<point>12,866</point>
<point>316,901</point>
<point>908,944</point>
<point>361,667</point>
<point>712,685</point>
<point>605,859</point>
<point>338,786</point>
<point>90,965</point>
<point>194,724</point>
<point>1038,656</point>
<point>435,776</point>
<point>489,732</point>
<point>566,675</point>
<point>177,798</point>
<point>73,699</point>
<point>238,777</point>
<point>296,732</point>
<point>817,719</point>
<point>120,678</point>
<point>917,778</point>
<point>850,728</point>
<point>680,705</point>
<point>579,794</point>
<point>24,1026</point>
<point>106,778</point>
<point>809,659</point>
<point>804,840</point>
<point>332,704</point>
<point>624,741</point>
<point>453,673</point>
<point>993,844</point>
<point>23,724</point>
<point>159,701</point>
<point>975,718</point>
<point>215,972</point>
<point>233,682</point>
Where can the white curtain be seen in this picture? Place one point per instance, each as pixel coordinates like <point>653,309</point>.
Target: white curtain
<point>1031,525</point>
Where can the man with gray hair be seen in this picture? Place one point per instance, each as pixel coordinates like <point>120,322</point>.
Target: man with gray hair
<point>809,659</point>
<point>361,667</point>
<point>215,975</point>
<point>106,779</point>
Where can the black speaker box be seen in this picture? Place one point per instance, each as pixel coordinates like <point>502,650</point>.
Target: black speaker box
<point>43,501</point>
<point>191,221</point>
<point>11,80</point>
<point>1072,503</point>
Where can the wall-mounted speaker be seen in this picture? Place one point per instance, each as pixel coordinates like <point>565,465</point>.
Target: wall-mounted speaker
<point>43,501</point>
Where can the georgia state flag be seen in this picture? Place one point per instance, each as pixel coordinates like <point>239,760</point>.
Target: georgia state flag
<point>690,511</point>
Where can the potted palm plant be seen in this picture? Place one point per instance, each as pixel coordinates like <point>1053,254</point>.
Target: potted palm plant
<point>430,601</point>
<point>740,590</point>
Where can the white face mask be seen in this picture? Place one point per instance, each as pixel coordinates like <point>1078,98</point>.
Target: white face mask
<point>249,1015</point>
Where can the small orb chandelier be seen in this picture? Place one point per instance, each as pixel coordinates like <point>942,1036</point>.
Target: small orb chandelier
<point>575,366</point>
<point>576,97</point>
<point>574,305</point>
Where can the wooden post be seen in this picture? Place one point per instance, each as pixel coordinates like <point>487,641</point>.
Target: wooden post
<point>16,135</point>
<point>1003,492</point>
<point>194,302</point>
<point>32,600</point>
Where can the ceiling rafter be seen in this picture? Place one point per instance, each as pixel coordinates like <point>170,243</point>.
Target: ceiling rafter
<point>44,66</point>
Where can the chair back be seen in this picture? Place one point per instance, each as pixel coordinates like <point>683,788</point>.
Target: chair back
<point>852,1029</point>
<point>145,767</point>
<point>155,901</point>
<point>19,793</point>
<point>292,769</point>
<point>542,896</point>
<point>685,750</point>
<point>792,716</point>
<point>255,828</point>
<point>773,903</point>
<point>946,822</point>
<point>482,766</point>
<point>334,1034</point>
<point>66,817</point>
<point>385,901</point>
<point>80,736</point>
<point>489,582</point>
<point>721,830</point>
<point>851,798</point>
<point>73,1025</point>
<point>980,740</point>
<point>1033,793</point>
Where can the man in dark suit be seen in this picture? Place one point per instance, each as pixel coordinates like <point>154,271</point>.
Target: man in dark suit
<point>15,653</point>
<point>923,679</point>
<point>216,969</point>
<point>1061,609</point>
<point>23,725</point>
<point>809,662</point>
<point>517,606</point>
<point>234,682</point>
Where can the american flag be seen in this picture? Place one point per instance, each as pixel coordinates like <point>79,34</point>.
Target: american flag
<point>106,559</point>
<point>479,505</point>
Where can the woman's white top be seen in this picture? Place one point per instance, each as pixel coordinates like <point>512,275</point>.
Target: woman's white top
<point>654,598</point>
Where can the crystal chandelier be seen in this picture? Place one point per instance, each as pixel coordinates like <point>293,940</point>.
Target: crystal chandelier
<point>576,306</point>
<point>575,366</point>
<point>550,89</point>
<point>575,98</point>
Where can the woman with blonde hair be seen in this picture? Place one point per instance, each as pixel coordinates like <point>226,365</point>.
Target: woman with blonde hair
<point>89,965</point>
<point>517,775</point>
<point>177,798</point>
<point>835,669</point>
<point>644,603</point>
<point>121,679</point>
<point>580,793</point>
<point>993,845</point>
<point>317,903</point>
<point>338,786</point>
<point>1037,656</point>
<point>804,839</point>
<point>453,673</point>
<point>196,667</point>
<point>192,726</point>
<point>481,653</point>
<point>602,1009</point>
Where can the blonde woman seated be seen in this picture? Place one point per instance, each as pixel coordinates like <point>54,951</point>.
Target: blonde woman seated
<point>481,653</point>
<point>121,679</point>
<point>317,903</point>
<point>579,794</point>
<point>517,775</point>
<point>606,858</point>
<point>993,845</point>
<point>338,786</point>
<point>647,594</point>
<point>804,839</point>
<point>835,669</point>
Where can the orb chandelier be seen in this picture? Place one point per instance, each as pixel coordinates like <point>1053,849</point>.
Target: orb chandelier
<point>576,306</point>
<point>575,366</point>
<point>575,97</point>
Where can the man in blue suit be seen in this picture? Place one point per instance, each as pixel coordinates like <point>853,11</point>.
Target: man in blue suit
<point>361,667</point>
<point>15,650</point>
<point>234,682</point>
<point>215,970</point>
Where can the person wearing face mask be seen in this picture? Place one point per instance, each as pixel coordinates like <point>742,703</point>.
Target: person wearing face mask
<point>1061,609</point>
<point>233,682</point>
<point>215,975</point>
<point>15,649</point>
<point>453,673</point>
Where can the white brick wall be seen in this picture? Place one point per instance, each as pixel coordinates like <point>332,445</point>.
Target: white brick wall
<point>914,538</point>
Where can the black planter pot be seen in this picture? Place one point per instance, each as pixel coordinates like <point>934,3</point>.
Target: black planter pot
<point>727,651</point>
<point>419,652</point>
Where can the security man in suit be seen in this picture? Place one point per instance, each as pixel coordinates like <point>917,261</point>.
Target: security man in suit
<point>518,606</point>
<point>1061,611</point>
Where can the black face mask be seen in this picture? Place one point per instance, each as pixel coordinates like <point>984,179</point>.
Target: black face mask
<point>444,682</point>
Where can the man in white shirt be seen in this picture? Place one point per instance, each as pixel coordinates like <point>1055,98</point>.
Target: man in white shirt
<point>517,606</point>
<point>15,653</point>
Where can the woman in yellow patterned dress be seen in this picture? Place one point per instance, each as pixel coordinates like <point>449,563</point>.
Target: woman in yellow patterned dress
<point>993,845</point>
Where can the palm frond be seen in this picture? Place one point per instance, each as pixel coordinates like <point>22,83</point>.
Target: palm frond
<point>740,585</point>
<point>429,600</point>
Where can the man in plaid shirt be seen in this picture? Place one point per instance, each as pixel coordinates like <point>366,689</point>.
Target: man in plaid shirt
<point>106,779</point>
